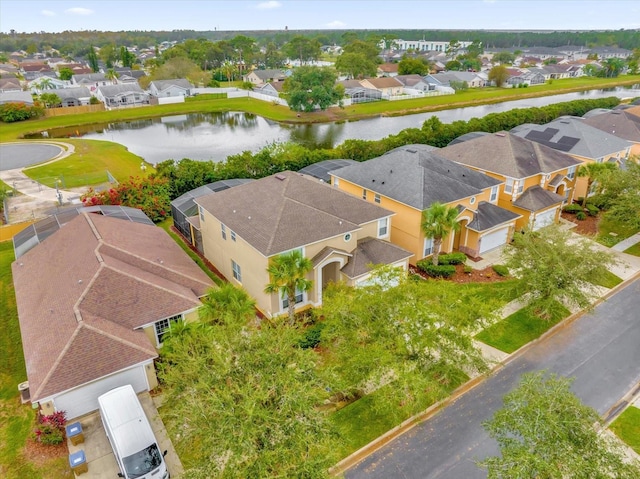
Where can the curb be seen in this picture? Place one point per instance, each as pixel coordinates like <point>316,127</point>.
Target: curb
<point>378,443</point>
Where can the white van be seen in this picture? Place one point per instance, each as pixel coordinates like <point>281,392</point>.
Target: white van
<point>130,435</point>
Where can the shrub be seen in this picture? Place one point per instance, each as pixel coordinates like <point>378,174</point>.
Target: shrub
<point>10,112</point>
<point>501,270</point>
<point>50,430</point>
<point>467,269</point>
<point>592,209</point>
<point>439,271</point>
<point>573,209</point>
<point>581,215</point>
<point>452,258</point>
<point>312,336</point>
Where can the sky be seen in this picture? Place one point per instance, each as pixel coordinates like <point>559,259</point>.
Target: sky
<point>117,15</point>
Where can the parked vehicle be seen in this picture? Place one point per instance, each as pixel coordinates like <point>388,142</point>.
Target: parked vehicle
<point>132,440</point>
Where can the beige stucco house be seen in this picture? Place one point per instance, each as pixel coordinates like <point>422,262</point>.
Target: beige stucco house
<point>95,299</point>
<point>244,227</point>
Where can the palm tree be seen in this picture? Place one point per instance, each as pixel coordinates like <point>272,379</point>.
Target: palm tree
<point>437,222</point>
<point>112,75</point>
<point>227,304</point>
<point>287,274</point>
<point>593,172</point>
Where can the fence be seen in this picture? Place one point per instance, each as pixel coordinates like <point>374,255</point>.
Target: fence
<point>423,95</point>
<point>257,96</point>
<point>73,110</point>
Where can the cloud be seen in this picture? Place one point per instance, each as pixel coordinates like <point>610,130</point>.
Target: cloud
<point>268,5</point>
<point>79,11</point>
<point>48,13</point>
<point>336,24</point>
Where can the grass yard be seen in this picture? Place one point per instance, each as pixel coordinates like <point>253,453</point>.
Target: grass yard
<point>608,280</point>
<point>634,250</point>
<point>520,328</point>
<point>88,165</point>
<point>607,226</point>
<point>627,427</point>
<point>16,420</point>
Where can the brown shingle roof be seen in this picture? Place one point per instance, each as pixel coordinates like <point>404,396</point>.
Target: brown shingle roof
<point>289,210</point>
<point>621,123</point>
<point>81,292</point>
<point>509,155</point>
<point>372,251</point>
<point>384,82</point>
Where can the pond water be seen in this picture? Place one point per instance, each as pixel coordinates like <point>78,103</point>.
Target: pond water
<point>214,136</point>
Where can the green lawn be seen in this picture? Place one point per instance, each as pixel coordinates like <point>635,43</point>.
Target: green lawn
<point>16,420</point>
<point>608,280</point>
<point>608,226</point>
<point>89,164</point>
<point>627,427</point>
<point>634,250</point>
<point>520,328</point>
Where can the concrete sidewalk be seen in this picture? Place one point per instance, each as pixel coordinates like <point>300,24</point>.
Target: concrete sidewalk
<point>627,243</point>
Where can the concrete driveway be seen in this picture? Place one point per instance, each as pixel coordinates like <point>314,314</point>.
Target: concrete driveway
<point>99,455</point>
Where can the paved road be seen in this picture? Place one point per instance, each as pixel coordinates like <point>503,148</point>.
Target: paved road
<point>601,350</point>
<point>25,154</point>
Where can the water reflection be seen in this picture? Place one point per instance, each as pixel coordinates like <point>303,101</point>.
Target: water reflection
<point>214,136</point>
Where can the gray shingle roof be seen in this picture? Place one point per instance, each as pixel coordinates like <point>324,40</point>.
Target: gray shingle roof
<point>288,210</point>
<point>489,215</point>
<point>114,90</point>
<point>76,93</point>
<point>372,251</point>
<point>509,155</point>
<point>537,198</point>
<point>164,84</point>
<point>620,123</point>
<point>417,176</point>
<point>572,135</point>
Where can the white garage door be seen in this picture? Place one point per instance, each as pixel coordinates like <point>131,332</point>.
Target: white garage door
<point>543,219</point>
<point>493,240</point>
<point>84,399</point>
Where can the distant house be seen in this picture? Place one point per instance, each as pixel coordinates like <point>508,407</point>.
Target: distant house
<point>10,84</point>
<point>388,86</point>
<point>118,96</point>
<point>388,70</point>
<point>413,82</point>
<point>260,77</point>
<point>76,96</point>
<point>44,83</point>
<point>524,77</point>
<point>621,123</point>
<point>169,88</point>
<point>35,67</point>
<point>354,90</point>
<point>91,80</point>
<point>272,89</point>
<point>473,80</point>
<point>23,97</point>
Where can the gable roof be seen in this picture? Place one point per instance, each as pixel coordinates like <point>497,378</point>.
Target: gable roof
<point>572,135</point>
<point>372,251</point>
<point>75,93</point>
<point>383,82</point>
<point>266,75</point>
<point>89,77</point>
<point>417,176</point>
<point>621,123</point>
<point>123,89</point>
<point>488,216</point>
<point>288,210</point>
<point>410,80</point>
<point>110,277</point>
<point>164,84</point>
<point>509,155</point>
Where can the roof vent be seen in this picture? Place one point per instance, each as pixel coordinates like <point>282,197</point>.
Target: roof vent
<point>373,181</point>
<point>411,150</point>
<point>500,134</point>
<point>281,177</point>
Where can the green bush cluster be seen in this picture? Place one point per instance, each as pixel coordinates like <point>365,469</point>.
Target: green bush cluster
<point>312,336</point>
<point>11,112</point>
<point>436,271</point>
<point>501,270</point>
<point>452,258</point>
<point>573,208</point>
<point>593,210</point>
<point>581,215</point>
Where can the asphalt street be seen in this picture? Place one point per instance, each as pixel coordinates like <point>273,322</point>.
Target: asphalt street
<point>21,155</point>
<point>601,350</point>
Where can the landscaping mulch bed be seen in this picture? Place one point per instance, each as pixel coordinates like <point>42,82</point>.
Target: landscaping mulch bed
<point>486,275</point>
<point>587,226</point>
<point>40,454</point>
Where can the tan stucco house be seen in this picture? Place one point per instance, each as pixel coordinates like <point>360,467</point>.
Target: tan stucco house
<point>537,179</point>
<point>95,299</point>
<point>244,227</point>
<point>409,179</point>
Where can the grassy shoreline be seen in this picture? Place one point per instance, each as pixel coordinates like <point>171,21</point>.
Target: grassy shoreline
<point>472,97</point>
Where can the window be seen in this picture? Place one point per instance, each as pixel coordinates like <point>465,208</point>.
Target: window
<point>233,235</point>
<point>336,181</point>
<point>472,200</point>
<point>223,230</point>
<point>376,198</point>
<point>383,227</point>
<point>571,174</point>
<point>237,272</point>
<point>299,299</point>
<point>494,194</point>
<point>201,210</point>
<point>520,185</point>
<point>600,160</point>
<point>428,246</point>
<point>508,186</point>
<point>364,194</point>
<point>164,325</point>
